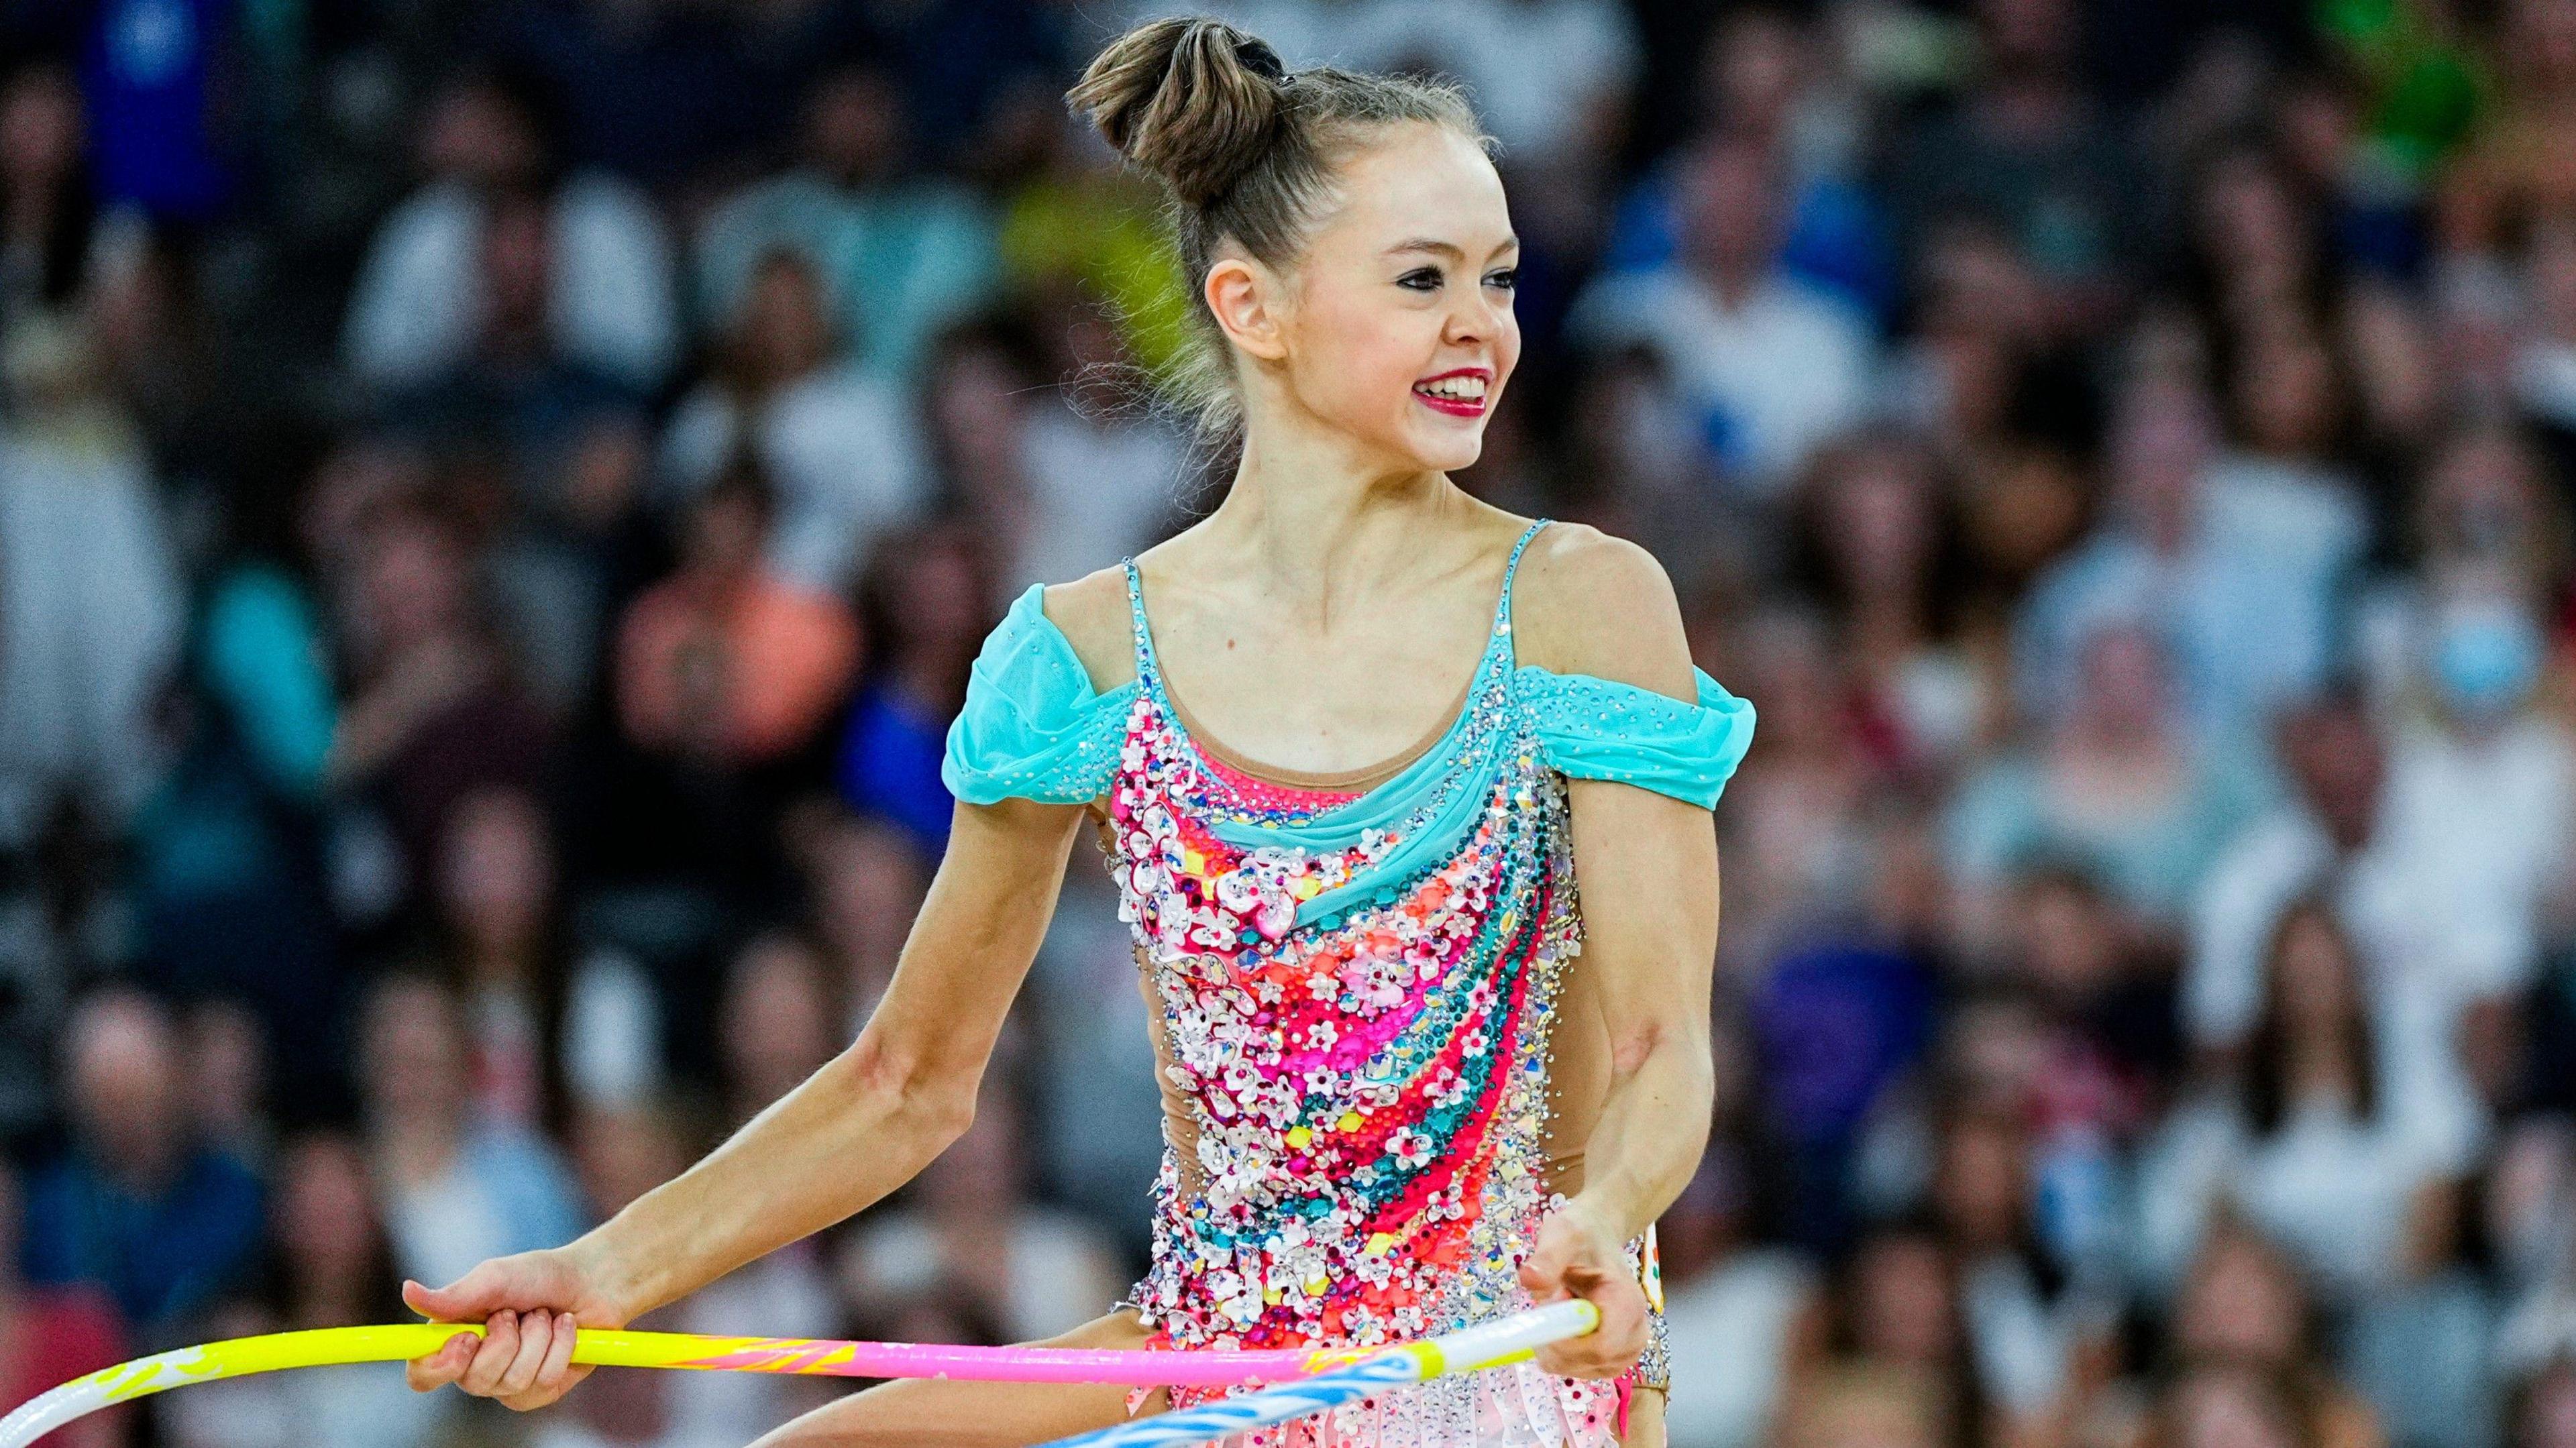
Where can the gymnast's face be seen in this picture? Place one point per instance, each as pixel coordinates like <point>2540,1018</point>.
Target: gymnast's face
<point>1409,278</point>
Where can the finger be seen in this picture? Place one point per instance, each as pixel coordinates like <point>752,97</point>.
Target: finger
<point>1543,1271</point>
<point>1571,1362</point>
<point>554,1376</point>
<point>500,1346</point>
<point>435,1303</point>
<point>444,1365</point>
<point>1622,1305</point>
<point>539,1395</point>
<point>1568,1361</point>
<point>1585,1273</point>
<point>470,1298</point>
<point>457,1353</point>
<point>1614,1342</point>
<point>536,1339</point>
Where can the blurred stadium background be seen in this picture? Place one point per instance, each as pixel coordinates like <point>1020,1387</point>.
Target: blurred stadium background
<point>497,501</point>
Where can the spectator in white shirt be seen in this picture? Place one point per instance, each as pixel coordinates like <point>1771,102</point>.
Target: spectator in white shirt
<point>2336,1122</point>
<point>903,251</point>
<point>2436,860</point>
<point>2237,568</point>
<point>419,303</point>
<point>839,442</point>
<point>455,1186</point>
<point>1774,366</point>
<point>92,603</point>
<point>2284,474</point>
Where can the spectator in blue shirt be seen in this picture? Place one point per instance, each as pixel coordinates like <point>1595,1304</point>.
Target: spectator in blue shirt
<point>139,1205</point>
<point>924,600</point>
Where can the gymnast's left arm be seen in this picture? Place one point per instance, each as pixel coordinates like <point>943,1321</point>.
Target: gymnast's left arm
<point>1646,864</point>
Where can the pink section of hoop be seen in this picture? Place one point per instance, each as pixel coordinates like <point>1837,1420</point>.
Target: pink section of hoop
<point>1020,1364</point>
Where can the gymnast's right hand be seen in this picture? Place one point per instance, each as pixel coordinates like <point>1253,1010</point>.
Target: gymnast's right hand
<point>529,1303</point>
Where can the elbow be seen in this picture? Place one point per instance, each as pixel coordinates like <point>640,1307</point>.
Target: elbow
<point>1675,1051</point>
<point>949,1112</point>
<point>932,1101</point>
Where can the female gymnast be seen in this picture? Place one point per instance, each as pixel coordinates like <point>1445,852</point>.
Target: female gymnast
<point>1348,745</point>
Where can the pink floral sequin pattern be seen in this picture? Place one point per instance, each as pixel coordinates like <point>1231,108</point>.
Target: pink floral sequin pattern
<point>1367,1089</point>
<point>1187,893</point>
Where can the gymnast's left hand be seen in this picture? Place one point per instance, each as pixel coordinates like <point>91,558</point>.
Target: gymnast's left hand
<point>1578,1256</point>
<point>530,1304</point>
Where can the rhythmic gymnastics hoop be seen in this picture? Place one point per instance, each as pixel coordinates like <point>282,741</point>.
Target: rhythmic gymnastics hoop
<point>1309,1380</point>
<point>1492,1344</point>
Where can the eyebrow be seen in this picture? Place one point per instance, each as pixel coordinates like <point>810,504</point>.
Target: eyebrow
<point>1426,243</point>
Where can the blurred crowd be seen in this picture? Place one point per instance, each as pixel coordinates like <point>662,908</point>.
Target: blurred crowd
<point>497,502</point>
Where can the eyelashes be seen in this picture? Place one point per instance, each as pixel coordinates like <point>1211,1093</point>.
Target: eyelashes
<point>1508,278</point>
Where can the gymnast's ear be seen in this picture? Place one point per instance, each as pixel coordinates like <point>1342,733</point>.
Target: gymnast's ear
<point>1245,297</point>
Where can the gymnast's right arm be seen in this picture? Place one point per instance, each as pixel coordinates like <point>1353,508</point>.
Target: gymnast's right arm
<point>854,1131</point>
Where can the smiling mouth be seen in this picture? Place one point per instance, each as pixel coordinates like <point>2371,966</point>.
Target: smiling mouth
<point>1457,396</point>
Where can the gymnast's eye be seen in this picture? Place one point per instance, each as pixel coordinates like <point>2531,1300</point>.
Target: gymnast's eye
<point>1509,279</point>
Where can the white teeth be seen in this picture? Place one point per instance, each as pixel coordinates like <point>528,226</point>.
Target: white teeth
<point>1460,389</point>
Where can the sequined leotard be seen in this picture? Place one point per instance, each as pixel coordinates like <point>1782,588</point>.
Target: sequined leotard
<point>1355,990</point>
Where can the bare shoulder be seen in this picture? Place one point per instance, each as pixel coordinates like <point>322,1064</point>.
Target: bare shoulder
<point>1589,602</point>
<point>1091,613</point>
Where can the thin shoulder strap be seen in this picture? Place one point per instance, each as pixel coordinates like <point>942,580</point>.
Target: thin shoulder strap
<point>1140,636</point>
<point>1511,568</point>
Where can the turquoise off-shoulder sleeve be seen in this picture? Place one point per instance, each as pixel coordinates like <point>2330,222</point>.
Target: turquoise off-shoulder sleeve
<point>1596,728</point>
<point>1033,727</point>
